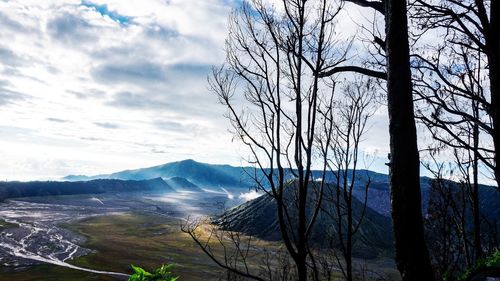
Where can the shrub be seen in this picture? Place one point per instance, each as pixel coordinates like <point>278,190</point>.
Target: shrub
<point>162,273</point>
<point>492,261</point>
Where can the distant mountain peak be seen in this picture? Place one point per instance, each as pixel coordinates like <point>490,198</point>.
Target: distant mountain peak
<point>189,160</point>
<point>197,173</point>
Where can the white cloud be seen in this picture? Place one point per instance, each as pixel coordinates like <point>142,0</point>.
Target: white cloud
<point>97,86</point>
<point>90,87</point>
<point>247,196</point>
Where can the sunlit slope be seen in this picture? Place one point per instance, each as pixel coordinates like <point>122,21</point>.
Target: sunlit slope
<point>182,184</point>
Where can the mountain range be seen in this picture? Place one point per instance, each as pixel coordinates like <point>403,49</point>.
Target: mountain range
<point>16,189</point>
<point>225,176</point>
<point>200,174</point>
<point>258,216</point>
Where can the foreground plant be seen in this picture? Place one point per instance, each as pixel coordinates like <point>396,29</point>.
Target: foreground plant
<point>162,273</point>
<point>492,262</point>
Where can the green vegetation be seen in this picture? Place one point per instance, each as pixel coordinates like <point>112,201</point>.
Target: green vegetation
<point>162,273</point>
<point>490,262</point>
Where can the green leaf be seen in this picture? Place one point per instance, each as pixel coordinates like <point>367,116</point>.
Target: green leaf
<point>161,273</point>
<point>137,269</point>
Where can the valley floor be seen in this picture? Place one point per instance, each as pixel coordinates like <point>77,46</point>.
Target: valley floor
<point>111,233</point>
<point>120,240</point>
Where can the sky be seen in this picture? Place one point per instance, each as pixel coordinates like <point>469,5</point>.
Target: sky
<point>91,87</point>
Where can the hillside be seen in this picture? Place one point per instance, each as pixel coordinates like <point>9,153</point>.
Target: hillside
<point>258,217</point>
<point>182,184</point>
<point>47,188</point>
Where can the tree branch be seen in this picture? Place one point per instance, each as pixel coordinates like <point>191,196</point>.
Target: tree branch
<point>352,68</point>
<point>376,5</point>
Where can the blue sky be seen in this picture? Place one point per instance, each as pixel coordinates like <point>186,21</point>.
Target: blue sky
<point>104,85</point>
<point>99,86</point>
<point>105,12</point>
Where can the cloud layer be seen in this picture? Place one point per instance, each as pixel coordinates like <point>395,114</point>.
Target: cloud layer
<point>97,86</point>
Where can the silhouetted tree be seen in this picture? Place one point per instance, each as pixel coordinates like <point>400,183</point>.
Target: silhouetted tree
<point>345,125</point>
<point>455,103</point>
<point>448,218</point>
<point>412,256</point>
<point>272,90</point>
<point>473,28</point>
<point>451,111</point>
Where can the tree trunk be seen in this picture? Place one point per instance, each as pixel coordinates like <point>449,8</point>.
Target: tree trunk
<point>475,186</point>
<point>301,268</point>
<point>493,53</point>
<point>412,256</point>
<point>348,257</point>
<point>478,250</point>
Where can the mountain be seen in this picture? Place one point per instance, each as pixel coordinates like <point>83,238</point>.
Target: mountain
<point>78,178</point>
<point>379,197</point>
<point>182,184</point>
<point>47,188</point>
<point>201,174</point>
<point>258,217</point>
<point>215,176</point>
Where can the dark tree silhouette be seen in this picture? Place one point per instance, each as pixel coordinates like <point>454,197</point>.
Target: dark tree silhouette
<point>472,27</point>
<point>457,82</point>
<point>450,232</point>
<point>291,118</point>
<point>452,106</point>
<point>272,89</point>
<point>412,257</point>
<point>345,127</point>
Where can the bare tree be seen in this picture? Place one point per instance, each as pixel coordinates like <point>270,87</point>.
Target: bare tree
<point>272,89</point>
<point>284,57</point>
<point>455,119</point>
<point>454,104</point>
<point>412,257</point>
<point>345,125</point>
<point>473,25</point>
<point>448,218</point>
<point>230,250</point>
